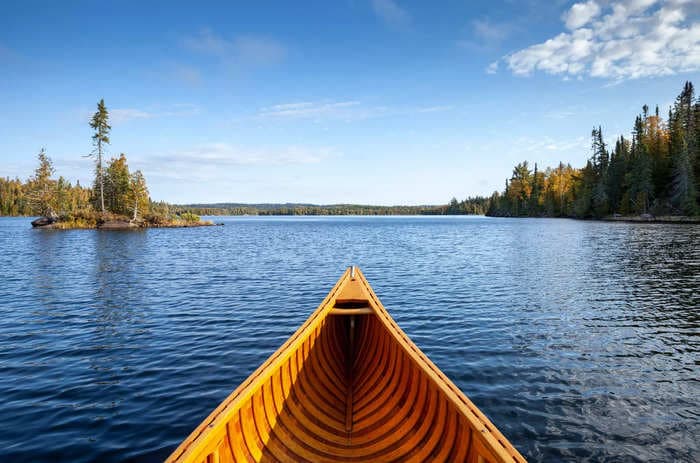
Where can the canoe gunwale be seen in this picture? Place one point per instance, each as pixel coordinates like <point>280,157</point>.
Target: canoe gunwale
<point>498,442</point>
<point>200,441</point>
<point>233,402</point>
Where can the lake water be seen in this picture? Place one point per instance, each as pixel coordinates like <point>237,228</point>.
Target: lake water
<point>580,340</point>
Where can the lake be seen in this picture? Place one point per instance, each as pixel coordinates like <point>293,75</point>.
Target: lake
<point>580,340</point>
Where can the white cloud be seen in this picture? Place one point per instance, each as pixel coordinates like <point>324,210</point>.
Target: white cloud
<point>243,49</point>
<point>492,68</point>
<point>347,110</point>
<point>581,14</point>
<point>545,144</point>
<point>391,13</point>
<point>214,160</point>
<point>259,50</point>
<point>490,32</point>
<point>310,109</point>
<point>486,34</point>
<point>434,109</point>
<point>624,40</point>
<point>122,115</point>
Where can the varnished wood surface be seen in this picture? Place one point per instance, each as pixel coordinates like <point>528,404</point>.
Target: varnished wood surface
<point>348,386</point>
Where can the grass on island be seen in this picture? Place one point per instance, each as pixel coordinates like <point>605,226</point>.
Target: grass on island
<point>89,219</point>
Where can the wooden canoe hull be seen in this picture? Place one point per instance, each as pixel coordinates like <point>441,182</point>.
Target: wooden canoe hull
<point>348,386</point>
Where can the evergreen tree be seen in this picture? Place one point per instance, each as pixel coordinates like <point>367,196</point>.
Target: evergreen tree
<point>641,190</point>
<point>600,161</point>
<point>100,123</point>
<point>520,188</point>
<point>117,183</point>
<point>681,146</point>
<point>585,185</point>
<point>615,181</point>
<point>42,187</point>
<point>537,192</point>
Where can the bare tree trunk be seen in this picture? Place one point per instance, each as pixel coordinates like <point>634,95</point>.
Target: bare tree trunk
<point>99,172</point>
<point>136,207</point>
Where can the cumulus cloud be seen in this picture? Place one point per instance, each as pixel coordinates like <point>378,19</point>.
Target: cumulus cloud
<point>581,14</point>
<point>244,49</point>
<point>621,40</point>
<point>391,13</point>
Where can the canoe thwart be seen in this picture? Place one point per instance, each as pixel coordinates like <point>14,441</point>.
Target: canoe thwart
<point>358,311</point>
<point>351,304</point>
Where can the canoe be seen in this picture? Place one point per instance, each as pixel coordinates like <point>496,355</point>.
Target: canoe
<point>349,386</point>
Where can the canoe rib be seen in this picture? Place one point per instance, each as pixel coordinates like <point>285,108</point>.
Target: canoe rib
<point>348,385</point>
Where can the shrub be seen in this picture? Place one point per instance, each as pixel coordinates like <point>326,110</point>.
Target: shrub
<point>189,217</point>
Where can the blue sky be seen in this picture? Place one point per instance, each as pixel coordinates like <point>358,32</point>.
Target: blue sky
<point>357,101</point>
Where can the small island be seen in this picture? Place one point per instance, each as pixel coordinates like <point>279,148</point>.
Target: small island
<point>118,199</point>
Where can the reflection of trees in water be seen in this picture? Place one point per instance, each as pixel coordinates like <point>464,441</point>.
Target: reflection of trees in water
<point>662,271</point>
<point>650,271</point>
<point>117,304</point>
<point>117,275</point>
<point>612,322</point>
<point>46,279</point>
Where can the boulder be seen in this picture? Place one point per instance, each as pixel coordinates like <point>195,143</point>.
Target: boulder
<point>43,221</point>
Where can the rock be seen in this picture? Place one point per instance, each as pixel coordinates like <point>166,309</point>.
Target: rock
<point>43,221</point>
<point>646,217</point>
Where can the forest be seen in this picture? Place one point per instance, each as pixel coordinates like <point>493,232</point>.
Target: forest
<point>656,172</point>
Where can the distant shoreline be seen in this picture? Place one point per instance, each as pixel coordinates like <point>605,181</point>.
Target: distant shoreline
<point>125,225</point>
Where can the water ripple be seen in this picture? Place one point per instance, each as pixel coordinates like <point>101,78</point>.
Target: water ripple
<point>580,340</point>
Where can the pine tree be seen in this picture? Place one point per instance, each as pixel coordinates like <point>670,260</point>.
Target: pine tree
<point>639,171</point>
<point>615,181</point>
<point>600,161</point>
<point>681,146</point>
<point>100,123</point>
<point>42,189</point>
<point>116,190</point>
<point>585,184</point>
<point>536,193</point>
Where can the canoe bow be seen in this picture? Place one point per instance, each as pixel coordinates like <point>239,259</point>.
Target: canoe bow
<point>348,385</point>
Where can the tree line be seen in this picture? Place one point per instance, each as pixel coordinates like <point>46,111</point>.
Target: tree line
<point>476,205</point>
<point>306,209</point>
<point>656,171</point>
<point>41,194</point>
